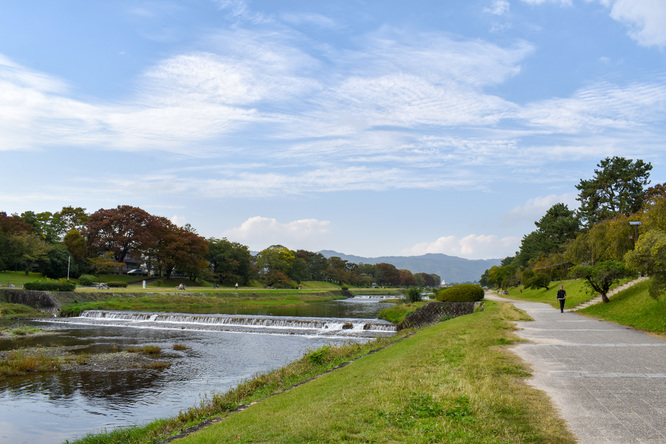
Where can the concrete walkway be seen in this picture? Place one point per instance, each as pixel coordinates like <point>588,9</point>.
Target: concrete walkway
<point>608,381</point>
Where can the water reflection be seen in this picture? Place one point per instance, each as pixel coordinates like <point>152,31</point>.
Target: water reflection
<point>54,408</point>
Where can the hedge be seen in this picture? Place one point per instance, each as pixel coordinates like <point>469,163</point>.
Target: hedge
<point>117,284</point>
<point>49,286</point>
<point>461,293</point>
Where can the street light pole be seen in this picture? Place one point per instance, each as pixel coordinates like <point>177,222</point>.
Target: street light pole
<point>635,223</point>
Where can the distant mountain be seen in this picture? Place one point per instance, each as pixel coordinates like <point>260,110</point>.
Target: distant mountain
<point>449,268</point>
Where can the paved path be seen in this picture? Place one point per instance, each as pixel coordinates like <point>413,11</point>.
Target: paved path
<point>608,381</point>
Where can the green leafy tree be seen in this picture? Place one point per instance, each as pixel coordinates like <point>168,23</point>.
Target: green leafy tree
<point>413,294</point>
<point>558,225</point>
<point>606,240</point>
<point>649,257</point>
<point>601,276</point>
<point>617,188</point>
<point>275,264</point>
<point>316,265</point>
<point>538,280</point>
<point>231,261</point>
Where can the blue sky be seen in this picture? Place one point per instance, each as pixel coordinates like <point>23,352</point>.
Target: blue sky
<point>366,127</point>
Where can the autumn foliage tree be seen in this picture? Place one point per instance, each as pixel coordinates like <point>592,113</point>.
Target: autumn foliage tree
<point>179,248</point>
<point>121,231</point>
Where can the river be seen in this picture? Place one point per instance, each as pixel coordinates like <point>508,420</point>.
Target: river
<point>63,406</point>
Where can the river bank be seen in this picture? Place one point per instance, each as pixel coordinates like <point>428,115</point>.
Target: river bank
<point>451,382</point>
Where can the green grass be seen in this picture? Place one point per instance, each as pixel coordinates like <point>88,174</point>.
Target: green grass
<point>633,307</point>
<point>19,311</point>
<point>199,302</point>
<point>448,383</point>
<point>17,278</point>
<point>452,382</point>
<point>577,293</point>
<point>400,311</point>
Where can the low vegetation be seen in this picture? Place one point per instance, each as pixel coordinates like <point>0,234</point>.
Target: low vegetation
<point>19,311</point>
<point>633,307</point>
<point>452,382</point>
<point>461,293</point>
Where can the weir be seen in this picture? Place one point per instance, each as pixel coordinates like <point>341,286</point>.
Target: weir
<point>345,327</point>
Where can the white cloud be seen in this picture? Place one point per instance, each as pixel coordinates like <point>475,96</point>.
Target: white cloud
<point>540,2</point>
<point>646,20</point>
<point>261,232</point>
<point>498,7</point>
<point>534,209</point>
<point>178,220</point>
<point>473,246</point>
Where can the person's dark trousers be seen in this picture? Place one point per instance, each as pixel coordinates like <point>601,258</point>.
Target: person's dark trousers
<point>561,305</point>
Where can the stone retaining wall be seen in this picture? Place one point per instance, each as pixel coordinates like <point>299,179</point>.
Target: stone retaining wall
<point>41,300</point>
<point>433,312</point>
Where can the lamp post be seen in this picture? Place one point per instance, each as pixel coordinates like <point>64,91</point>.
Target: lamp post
<point>635,223</point>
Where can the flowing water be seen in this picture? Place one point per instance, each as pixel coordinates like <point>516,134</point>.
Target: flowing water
<point>222,350</point>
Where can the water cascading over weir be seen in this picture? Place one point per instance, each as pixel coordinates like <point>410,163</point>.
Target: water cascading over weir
<point>339,327</point>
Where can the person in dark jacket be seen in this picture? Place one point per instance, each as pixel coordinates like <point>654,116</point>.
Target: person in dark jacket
<point>561,296</point>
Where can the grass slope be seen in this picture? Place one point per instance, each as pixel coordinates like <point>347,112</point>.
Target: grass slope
<point>452,382</point>
<point>633,307</point>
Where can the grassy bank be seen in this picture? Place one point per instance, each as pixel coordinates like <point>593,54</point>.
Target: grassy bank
<point>19,311</point>
<point>452,382</point>
<point>632,307</point>
<point>198,302</point>
<point>577,293</point>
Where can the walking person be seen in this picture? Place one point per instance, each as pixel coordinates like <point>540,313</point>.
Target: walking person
<point>561,296</point>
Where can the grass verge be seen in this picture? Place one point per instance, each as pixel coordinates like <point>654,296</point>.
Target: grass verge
<point>452,382</point>
<point>633,307</point>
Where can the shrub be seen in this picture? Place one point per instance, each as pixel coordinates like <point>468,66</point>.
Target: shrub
<point>50,286</point>
<point>413,295</point>
<point>87,280</point>
<point>117,284</point>
<point>461,293</point>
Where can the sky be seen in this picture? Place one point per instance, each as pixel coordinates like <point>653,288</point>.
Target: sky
<point>372,128</point>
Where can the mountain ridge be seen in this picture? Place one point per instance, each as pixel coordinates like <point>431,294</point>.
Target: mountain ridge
<point>450,268</point>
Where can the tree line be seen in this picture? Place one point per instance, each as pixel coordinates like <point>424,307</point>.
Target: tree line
<point>72,242</point>
<point>618,230</point>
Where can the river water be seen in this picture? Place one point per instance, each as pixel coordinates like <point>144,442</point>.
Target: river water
<point>67,405</point>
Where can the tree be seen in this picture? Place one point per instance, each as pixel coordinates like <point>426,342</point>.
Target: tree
<point>275,264</point>
<point>387,275</point>
<point>616,189</point>
<point>179,249</point>
<point>231,262</point>
<point>28,248</point>
<point>316,265</point>
<point>71,218</point>
<point>601,276</point>
<point>121,231</point>
<point>649,257</point>
<point>413,295</point>
<point>76,244</point>
<point>607,240</point>
<point>538,280</point>
<point>558,225</point>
